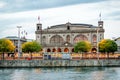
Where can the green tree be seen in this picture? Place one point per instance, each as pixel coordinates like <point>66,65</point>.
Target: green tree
<point>107,45</point>
<point>31,47</point>
<point>6,46</point>
<point>82,46</point>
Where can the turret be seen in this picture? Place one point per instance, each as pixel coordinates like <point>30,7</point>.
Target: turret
<point>39,27</point>
<point>39,31</point>
<point>68,25</point>
<point>100,24</point>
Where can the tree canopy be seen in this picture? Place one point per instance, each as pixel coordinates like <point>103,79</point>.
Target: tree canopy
<point>82,46</point>
<point>107,45</point>
<point>31,47</point>
<point>6,45</point>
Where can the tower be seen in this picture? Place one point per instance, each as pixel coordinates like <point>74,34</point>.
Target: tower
<point>39,25</point>
<point>100,22</point>
<point>39,29</point>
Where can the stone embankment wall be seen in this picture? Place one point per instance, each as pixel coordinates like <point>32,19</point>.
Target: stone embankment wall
<point>59,63</point>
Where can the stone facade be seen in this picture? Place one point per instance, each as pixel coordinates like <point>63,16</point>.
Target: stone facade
<point>59,63</point>
<point>63,37</point>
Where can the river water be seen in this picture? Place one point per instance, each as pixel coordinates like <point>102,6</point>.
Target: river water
<point>81,73</point>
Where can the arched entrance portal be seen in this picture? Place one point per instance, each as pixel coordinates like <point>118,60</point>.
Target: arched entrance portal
<point>54,50</point>
<point>66,50</point>
<point>59,50</point>
<point>72,50</point>
<point>94,50</point>
<point>48,50</point>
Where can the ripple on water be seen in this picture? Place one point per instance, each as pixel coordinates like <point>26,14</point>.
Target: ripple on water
<point>82,73</point>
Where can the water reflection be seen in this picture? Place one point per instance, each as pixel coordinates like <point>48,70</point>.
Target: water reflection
<point>83,73</point>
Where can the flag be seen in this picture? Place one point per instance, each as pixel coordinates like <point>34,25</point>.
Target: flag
<point>100,16</point>
<point>39,19</point>
<point>26,33</point>
<point>22,32</point>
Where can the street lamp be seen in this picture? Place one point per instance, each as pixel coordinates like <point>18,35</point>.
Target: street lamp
<point>66,44</point>
<point>98,43</point>
<point>19,40</point>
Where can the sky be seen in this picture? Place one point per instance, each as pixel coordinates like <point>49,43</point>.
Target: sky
<point>25,13</point>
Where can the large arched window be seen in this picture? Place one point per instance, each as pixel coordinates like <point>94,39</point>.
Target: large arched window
<point>56,39</point>
<point>80,38</point>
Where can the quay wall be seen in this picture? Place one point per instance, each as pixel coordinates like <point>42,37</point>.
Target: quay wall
<point>59,63</point>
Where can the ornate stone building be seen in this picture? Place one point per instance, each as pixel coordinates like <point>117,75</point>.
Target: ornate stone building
<point>63,37</point>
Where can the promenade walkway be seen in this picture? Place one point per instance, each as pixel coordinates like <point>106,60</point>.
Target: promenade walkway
<point>74,56</point>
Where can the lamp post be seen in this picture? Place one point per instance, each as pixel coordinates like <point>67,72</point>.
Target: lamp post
<point>19,40</point>
<point>98,43</point>
<point>66,44</point>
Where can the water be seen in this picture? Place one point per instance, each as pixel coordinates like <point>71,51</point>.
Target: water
<point>82,73</point>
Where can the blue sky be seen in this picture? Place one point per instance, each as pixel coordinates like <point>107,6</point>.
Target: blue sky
<point>24,13</point>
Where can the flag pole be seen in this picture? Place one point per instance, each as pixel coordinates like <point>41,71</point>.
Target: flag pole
<point>98,43</point>
<point>19,45</point>
<point>39,19</point>
<point>100,16</point>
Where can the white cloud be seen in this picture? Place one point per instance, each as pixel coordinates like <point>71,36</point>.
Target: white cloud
<point>112,29</point>
<point>2,4</point>
<point>81,13</point>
